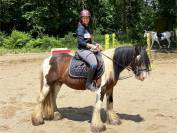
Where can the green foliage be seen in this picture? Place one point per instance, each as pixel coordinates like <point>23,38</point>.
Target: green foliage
<point>35,19</point>
<point>98,37</point>
<point>69,41</point>
<point>43,43</point>
<point>60,18</point>
<point>16,40</point>
<point>2,36</point>
<point>20,40</point>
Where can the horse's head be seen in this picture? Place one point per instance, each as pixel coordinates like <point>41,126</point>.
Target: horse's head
<point>141,63</point>
<point>145,33</point>
<point>134,58</point>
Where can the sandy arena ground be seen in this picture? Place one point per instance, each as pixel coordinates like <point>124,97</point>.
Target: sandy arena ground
<point>143,107</point>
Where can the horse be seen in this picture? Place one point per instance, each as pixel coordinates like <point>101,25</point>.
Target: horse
<point>167,35</point>
<point>55,73</point>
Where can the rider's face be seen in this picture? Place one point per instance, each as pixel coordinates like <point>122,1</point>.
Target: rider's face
<point>85,20</point>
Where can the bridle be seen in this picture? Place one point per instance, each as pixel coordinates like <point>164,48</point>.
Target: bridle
<point>137,70</point>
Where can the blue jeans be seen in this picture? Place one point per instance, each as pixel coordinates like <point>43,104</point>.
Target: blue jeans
<point>89,57</point>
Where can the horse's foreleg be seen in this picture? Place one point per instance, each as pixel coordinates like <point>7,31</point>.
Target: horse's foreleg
<point>112,117</point>
<point>152,43</point>
<point>97,124</point>
<point>159,44</point>
<point>57,114</point>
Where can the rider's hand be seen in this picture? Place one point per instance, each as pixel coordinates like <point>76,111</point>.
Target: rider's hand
<point>91,46</point>
<point>94,47</point>
<point>99,47</point>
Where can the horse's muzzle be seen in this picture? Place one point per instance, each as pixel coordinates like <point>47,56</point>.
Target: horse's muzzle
<point>142,75</point>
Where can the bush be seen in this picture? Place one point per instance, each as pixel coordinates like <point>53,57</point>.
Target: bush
<point>98,37</point>
<point>69,41</point>
<point>44,43</point>
<point>2,36</point>
<point>16,40</point>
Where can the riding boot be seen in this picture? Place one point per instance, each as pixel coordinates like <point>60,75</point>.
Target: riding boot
<point>90,85</point>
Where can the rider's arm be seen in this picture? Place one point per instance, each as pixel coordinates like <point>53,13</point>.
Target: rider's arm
<point>80,36</point>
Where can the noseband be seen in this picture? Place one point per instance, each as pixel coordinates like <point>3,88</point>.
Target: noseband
<point>137,70</point>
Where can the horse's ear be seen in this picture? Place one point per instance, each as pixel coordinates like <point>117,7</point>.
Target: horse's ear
<point>137,50</point>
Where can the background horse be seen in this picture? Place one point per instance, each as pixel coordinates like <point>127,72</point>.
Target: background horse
<point>167,35</point>
<point>55,73</point>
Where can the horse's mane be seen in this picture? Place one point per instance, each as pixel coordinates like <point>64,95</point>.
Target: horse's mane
<point>144,58</point>
<point>122,58</point>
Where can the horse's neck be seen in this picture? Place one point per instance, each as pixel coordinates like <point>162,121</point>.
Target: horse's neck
<point>123,58</point>
<point>108,61</point>
<point>108,56</point>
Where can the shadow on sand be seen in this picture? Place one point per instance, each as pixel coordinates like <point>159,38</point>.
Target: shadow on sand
<point>85,114</point>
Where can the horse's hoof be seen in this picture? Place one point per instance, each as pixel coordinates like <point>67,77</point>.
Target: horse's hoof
<point>57,116</point>
<point>97,129</point>
<point>114,122</point>
<point>37,122</point>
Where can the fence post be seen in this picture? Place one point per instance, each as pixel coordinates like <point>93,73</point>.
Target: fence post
<point>106,41</point>
<point>149,48</point>
<point>113,40</point>
<point>149,44</point>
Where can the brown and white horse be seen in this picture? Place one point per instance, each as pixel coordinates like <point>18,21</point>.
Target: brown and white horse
<point>55,73</point>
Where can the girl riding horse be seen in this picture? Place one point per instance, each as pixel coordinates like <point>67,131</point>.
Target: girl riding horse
<point>85,44</point>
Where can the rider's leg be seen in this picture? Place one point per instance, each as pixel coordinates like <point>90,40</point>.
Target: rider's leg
<point>90,58</point>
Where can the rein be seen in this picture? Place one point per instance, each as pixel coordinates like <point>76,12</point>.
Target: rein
<point>126,77</point>
<point>128,67</point>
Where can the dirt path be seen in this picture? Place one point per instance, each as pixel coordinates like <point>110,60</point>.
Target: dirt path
<point>144,107</point>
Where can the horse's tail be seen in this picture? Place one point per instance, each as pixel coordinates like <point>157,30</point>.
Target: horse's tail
<point>48,103</point>
<point>41,80</point>
<point>45,107</point>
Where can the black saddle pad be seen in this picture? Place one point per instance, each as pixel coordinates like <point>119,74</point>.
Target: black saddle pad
<point>79,68</point>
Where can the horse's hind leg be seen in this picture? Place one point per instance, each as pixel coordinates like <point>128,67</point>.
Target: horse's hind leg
<point>50,110</point>
<point>57,114</point>
<point>37,115</point>
<point>159,44</point>
<point>168,43</point>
